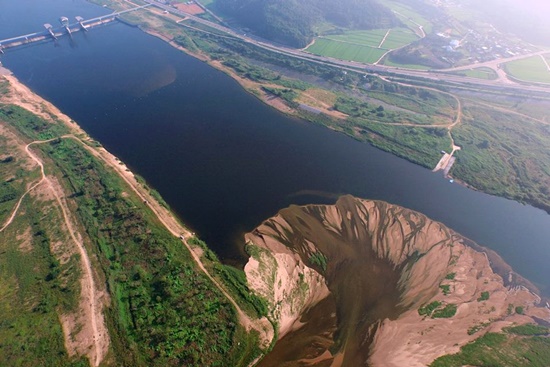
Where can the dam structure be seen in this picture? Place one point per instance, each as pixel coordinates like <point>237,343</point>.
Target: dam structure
<point>66,29</point>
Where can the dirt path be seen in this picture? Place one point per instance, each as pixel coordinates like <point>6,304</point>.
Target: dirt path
<point>88,284</point>
<point>384,39</point>
<point>263,326</point>
<point>25,98</point>
<point>446,159</point>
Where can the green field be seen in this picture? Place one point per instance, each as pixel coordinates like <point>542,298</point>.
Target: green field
<point>532,69</point>
<point>364,38</point>
<point>388,62</point>
<point>399,37</point>
<point>479,73</point>
<point>346,51</point>
<point>396,38</point>
<point>408,15</point>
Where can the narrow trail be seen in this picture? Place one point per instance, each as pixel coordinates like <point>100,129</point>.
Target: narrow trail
<point>88,283</point>
<point>458,119</point>
<point>504,109</point>
<point>384,39</point>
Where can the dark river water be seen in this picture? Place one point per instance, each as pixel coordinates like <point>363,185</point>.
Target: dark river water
<point>223,160</point>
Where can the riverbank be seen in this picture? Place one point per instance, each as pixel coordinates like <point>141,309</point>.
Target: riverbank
<point>421,146</point>
<point>259,329</point>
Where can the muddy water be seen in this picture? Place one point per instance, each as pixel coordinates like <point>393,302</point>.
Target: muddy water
<point>364,287</point>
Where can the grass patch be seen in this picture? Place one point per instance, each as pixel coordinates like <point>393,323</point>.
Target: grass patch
<point>497,349</point>
<point>528,330</point>
<point>504,154</point>
<point>446,312</point>
<point>484,296</point>
<point>346,51</point>
<point>371,38</point>
<point>450,276</point>
<point>399,37</point>
<point>408,15</point>
<point>479,73</point>
<point>532,69</point>
<point>319,260</point>
<point>429,309</point>
<point>445,288</point>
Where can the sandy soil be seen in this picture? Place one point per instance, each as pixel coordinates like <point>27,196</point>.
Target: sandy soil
<point>395,234</point>
<point>277,276</point>
<point>192,9</point>
<point>414,340</point>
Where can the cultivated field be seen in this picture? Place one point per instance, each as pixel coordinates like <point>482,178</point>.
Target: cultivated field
<point>399,37</point>
<point>362,46</point>
<point>346,51</point>
<point>533,69</point>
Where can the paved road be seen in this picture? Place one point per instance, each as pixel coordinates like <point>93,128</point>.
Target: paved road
<point>368,68</point>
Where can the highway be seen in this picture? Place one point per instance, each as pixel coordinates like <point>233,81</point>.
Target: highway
<point>434,76</point>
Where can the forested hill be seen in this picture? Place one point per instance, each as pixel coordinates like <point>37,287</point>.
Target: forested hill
<point>292,21</point>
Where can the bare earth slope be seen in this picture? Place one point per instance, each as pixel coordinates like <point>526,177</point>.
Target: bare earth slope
<point>381,264</point>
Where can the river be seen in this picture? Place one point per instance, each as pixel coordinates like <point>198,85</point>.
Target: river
<point>223,160</point>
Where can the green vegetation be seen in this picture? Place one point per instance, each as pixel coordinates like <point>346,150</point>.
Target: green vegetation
<point>445,288</point>
<point>503,350</point>
<point>346,51</point>
<point>519,310</point>
<point>31,125</point>
<point>371,38</point>
<point>504,154</point>
<point>532,69</point>
<point>234,279</point>
<point>437,310</point>
<point>429,309</point>
<point>476,328</point>
<point>479,73</point>
<point>528,330</point>
<point>484,296</point>
<point>399,37</point>
<point>164,311</point>
<point>362,46</point>
<point>408,15</point>
<point>36,284</point>
<point>450,276</point>
<point>34,287</point>
<point>288,95</point>
<point>318,259</point>
<point>446,312</point>
<point>292,22</point>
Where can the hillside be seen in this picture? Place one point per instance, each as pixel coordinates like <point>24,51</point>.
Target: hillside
<point>404,289</point>
<point>293,22</point>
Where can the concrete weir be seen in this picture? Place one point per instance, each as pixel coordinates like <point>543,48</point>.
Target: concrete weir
<point>66,28</point>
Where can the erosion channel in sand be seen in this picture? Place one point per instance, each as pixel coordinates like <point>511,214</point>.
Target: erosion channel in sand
<point>346,282</point>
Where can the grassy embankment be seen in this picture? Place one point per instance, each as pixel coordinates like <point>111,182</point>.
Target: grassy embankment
<point>520,346</point>
<point>479,73</point>
<point>164,311</point>
<point>504,154</point>
<point>359,97</point>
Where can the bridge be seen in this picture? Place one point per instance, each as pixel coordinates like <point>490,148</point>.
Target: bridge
<point>66,28</point>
